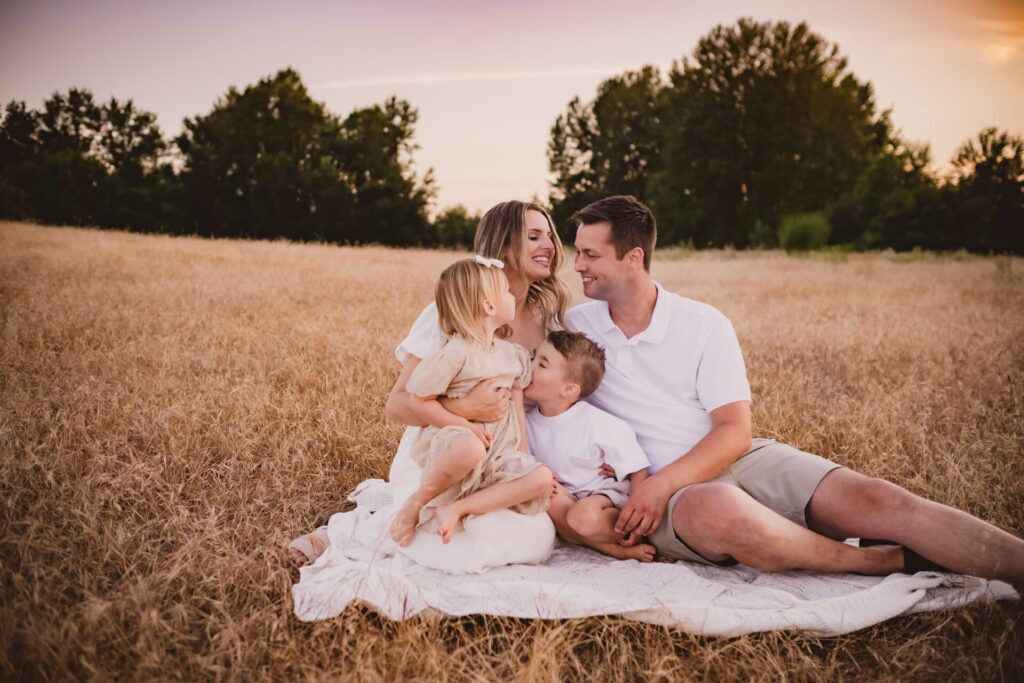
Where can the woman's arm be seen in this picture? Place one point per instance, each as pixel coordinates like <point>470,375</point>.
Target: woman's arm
<point>484,403</point>
<point>397,407</point>
<point>430,410</point>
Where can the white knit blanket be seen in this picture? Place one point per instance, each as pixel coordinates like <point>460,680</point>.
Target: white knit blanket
<point>471,576</point>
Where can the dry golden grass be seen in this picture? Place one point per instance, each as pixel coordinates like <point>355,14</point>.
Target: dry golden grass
<point>172,410</point>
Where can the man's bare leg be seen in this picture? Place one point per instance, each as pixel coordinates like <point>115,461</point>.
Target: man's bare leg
<point>561,506</point>
<point>497,497</point>
<point>847,504</point>
<point>461,456</point>
<point>720,522</point>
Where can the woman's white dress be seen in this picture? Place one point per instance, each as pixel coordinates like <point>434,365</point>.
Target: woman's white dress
<point>524,539</point>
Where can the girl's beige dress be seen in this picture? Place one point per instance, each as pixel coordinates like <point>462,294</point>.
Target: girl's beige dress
<point>452,372</point>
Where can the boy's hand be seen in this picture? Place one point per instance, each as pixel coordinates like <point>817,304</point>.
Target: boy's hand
<point>481,434</point>
<point>607,471</point>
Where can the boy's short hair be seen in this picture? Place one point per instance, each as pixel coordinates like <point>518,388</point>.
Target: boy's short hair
<point>633,224</point>
<point>584,360</point>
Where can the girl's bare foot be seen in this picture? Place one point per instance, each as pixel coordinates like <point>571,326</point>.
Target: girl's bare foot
<point>403,526</point>
<point>307,548</point>
<point>447,519</point>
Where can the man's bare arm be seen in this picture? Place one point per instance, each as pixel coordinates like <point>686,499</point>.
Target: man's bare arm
<point>728,439</point>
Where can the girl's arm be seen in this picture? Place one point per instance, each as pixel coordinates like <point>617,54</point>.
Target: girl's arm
<point>430,410</point>
<point>483,403</point>
<point>517,402</point>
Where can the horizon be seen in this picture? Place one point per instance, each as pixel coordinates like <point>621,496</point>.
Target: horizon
<point>489,81</point>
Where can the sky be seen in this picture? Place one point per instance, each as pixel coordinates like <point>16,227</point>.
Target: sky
<point>489,78</point>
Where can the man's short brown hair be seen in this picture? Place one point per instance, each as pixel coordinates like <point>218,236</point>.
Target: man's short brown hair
<point>584,360</point>
<point>632,224</point>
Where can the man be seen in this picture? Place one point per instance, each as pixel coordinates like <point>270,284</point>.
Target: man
<point>676,375</point>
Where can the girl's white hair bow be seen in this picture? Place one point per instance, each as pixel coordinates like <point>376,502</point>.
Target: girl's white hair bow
<point>490,262</point>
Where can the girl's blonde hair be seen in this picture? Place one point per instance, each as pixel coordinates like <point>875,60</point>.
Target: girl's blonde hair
<point>500,235</point>
<point>460,294</point>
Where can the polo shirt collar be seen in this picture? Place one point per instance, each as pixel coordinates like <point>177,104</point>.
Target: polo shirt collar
<point>655,332</point>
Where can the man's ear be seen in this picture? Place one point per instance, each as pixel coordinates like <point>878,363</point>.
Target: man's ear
<point>635,257</point>
<point>570,391</point>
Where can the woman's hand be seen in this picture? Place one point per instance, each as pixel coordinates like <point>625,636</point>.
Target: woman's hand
<point>484,403</point>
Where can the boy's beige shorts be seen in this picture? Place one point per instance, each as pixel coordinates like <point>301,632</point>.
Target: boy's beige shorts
<point>778,476</point>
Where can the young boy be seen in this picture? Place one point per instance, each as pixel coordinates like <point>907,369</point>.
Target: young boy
<point>590,452</point>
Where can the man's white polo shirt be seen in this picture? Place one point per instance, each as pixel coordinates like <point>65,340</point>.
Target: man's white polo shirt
<point>665,380</point>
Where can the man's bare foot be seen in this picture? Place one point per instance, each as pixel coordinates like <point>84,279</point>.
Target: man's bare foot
<point>447,519</point>
<point>403,526</point>
<point>307,548</point>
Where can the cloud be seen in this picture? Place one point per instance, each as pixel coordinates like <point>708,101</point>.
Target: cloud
<point>1000,41</point>
<point>464,77</point>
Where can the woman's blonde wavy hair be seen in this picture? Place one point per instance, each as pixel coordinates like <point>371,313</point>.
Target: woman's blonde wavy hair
<point>460,294</point>
<point>501,234</point>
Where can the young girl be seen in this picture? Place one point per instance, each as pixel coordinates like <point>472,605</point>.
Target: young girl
<point>471,468</point>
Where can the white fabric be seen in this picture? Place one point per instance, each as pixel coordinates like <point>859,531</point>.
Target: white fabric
<point>665,380</point>
<point>362,565</point>
<point>474,574</point>
<point>575,443</point>
<point>530,536</point>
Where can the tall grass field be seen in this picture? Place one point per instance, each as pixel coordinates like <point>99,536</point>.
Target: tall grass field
<point>173,410</point>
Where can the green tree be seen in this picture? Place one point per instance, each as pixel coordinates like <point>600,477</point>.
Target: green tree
<point>455,227</point>
<point>81,163</point>
<point>988,186</point>
<point>377,151</point>
<point>608,146</point>
<point>895,203</point>
<point>763,120</point>
<point>269,161</point>
<point>65,182</point>
<point>804,231</point>
<point>19,146</point>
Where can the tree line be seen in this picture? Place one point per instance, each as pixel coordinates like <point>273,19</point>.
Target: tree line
<point>266,162</point>
<point>762,137</point>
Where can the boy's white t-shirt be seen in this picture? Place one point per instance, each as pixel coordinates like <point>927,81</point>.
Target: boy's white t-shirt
<point>575,443</point>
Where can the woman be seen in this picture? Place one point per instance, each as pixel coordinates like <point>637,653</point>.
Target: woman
<point>522,235</point>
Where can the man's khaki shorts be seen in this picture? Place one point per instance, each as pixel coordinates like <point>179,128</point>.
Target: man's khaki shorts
<point>778,476</point>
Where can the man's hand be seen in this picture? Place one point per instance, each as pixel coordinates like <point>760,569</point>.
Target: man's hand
<point>644,510</point>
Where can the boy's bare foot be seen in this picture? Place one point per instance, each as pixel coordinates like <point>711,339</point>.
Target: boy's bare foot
<point>447,519</point>
<point>403,526</point>
<point>307,548</point>
<point>642,552</point>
